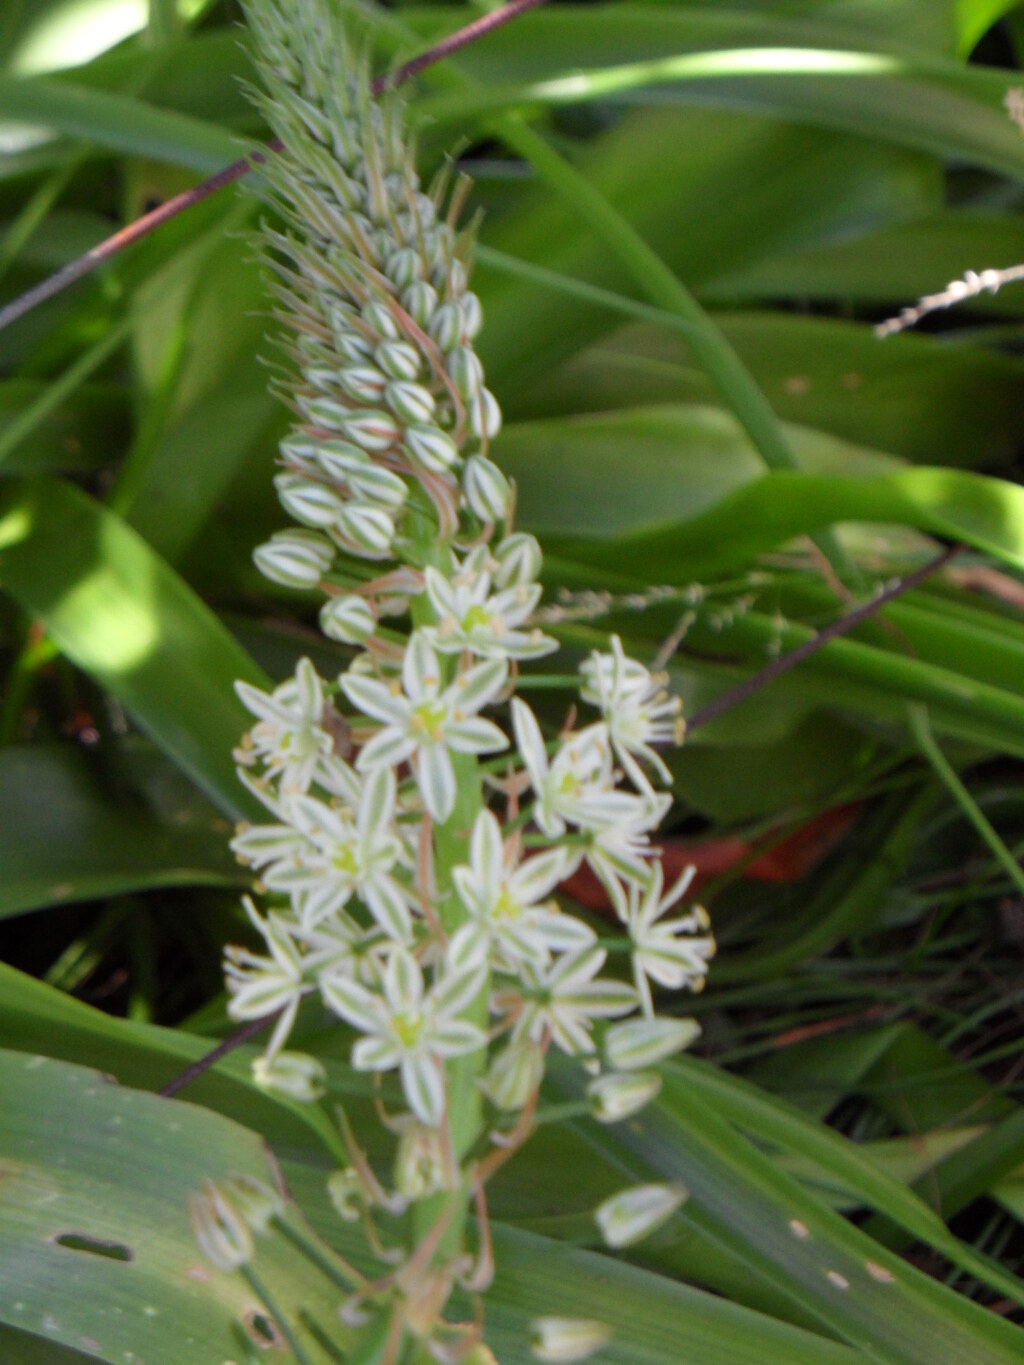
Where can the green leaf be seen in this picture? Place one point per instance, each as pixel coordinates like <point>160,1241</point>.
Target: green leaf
<point>983,512</point>
<point>840,1163</point>
<point>96,1251</point>
<point>682,459</point>
<point>66,838</point>
<point>669,174</point>
<point>908,395</point>
<point>655,1320</point>
<point>37,1018</point>
<point>118,612</point>
<point>117,123</point>
<point>855,1288</point>
<point>941,108</point>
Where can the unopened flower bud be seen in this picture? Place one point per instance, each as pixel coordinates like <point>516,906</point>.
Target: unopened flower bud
<point>645,1042</point>
<point>341,317</point>
<point>301,451</point>
<point>371,430</point>
<point>486,489</point>
<point>450,276</point>
<point>514,1075</point>
<point>431,449</point>
<point>380,486</point>
<point>348,619</point>
<point>340,459</point>
<point>519,560</point>
<point>314,504</point>
<point>410,402</point>
<point>472,315</point>
<point>560,1341</point>
<point>467,373</point>
<point>620,1094</point>
<point>404,267</point>
<point>446,326</point>
<point>222,1235</point>
<point>296,559</point>
<point>258,1203</point>
<point>364,383</point>
<point>419,1161</point>
<point>366,527</point>
<point>379,317</point>
<point>485,415</point>
<point>398,359</point>
<point>352,346</point>
<point>295,1075</point>
<point>324,412</point>
<point>635,1213</point>
<point>420,301</point>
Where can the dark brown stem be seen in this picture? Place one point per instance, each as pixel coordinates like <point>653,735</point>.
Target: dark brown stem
<point>141,227</point>
<point>842,625</point>
<point>197,1069</point>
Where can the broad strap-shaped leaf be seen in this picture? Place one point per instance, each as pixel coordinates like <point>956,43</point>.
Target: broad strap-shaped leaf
<point>117,122</point>
<point>63,838</point>
<point>655,1320</point>
<point>123,616</point>
<point>983,512</point>
<point>96,1250</point>
<point>848,1282</point>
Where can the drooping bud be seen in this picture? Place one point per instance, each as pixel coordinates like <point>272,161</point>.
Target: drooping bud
<point>345,1191</point>
<point>420,1164</point>
<point>257,1202</point>
<point>560,1341</point>
<point>645,1042</point>
<point>518,558</point>
<point>222,1234</point>
<point>295,1075</point>
<point>514,1076</point>
<point>635,1213</point>
<point>618,1095</point>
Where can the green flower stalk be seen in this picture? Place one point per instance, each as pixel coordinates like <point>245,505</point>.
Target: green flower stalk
<point>394,881</point>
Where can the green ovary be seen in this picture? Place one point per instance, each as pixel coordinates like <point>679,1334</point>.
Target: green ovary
<point>506,906</point>
<point>408,1027</point>
<point>428,719</point>
<point>476,618</point>
<point>344,860</point>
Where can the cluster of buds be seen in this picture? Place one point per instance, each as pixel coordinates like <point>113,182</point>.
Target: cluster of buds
<point>420,820</point>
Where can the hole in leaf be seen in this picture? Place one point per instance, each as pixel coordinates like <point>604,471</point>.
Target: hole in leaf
<point>262,1330</point>
<point>96,1246</point>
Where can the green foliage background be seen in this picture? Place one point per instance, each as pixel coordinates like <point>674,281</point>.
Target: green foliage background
<point>694,215</point>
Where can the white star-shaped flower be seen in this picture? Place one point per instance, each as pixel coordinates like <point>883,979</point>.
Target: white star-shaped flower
<point>344,856</point>
<point>620,851</point>
<point>410,1028</point>
<point>577,785</point>
<point>471,617</point>
<point>636,709</point>
<point>674,953</point>
<point>260,985</point>
<point>423,720</point>
<point>288,738</point>
<point>505,921</point>
<point>563,1001</point>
